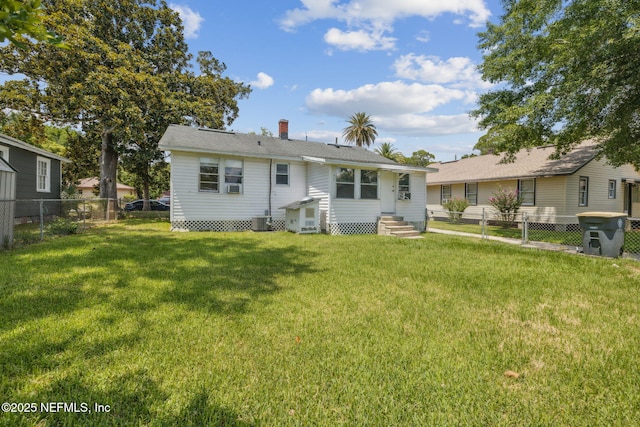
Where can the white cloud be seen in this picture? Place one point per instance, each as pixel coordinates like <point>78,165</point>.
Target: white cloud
<point>190,19</point>
<point>384,98</point>
<point>373,11</point>
<point>426,125</point>
<point>359,40</point>
<point>263,81</point>
<point>424,36</point>
<point>457,71</point>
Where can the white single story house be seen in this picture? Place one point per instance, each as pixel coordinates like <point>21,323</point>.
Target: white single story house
<point>224,181</point>
<point>576,182</point>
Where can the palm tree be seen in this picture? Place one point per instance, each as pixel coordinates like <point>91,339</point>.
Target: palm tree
<point>360,131</point>
<point>387,150</point>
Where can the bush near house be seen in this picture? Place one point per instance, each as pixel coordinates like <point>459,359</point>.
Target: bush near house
<point>455,207</point>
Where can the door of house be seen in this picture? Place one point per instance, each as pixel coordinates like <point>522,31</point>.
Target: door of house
<point>388,192</point>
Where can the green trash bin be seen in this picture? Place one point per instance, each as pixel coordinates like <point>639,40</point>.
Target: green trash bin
<point>603,233</point>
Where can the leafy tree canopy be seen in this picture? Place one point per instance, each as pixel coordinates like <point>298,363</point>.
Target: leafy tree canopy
<point>566,71</point>
<point>24,18</point>
<point>125,77</point>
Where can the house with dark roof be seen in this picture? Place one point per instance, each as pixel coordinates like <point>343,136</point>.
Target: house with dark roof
<point>38,173</point>
<point>228,181</point>
<point>577,182</point>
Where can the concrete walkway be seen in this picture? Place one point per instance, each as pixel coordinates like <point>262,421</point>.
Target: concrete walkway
<point>536,245</point>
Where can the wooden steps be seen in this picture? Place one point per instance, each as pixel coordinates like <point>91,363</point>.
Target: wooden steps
<point>391,225</point>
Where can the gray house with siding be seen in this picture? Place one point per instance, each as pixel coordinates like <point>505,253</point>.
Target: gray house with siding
<point>577,182</point>
<point>223,181</point>
<point>38,173</point>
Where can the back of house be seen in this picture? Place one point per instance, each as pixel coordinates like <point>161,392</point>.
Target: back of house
<point>225,181</point>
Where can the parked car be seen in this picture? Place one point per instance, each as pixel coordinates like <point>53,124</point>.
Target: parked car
<point>137,205</point>
<point>165,199</point>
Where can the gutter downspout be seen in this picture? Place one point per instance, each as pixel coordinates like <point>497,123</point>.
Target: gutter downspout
<point>270,184</point>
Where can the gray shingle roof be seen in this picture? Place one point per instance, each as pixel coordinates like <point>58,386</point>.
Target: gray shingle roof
<point>528,164</point>
<point>6,139</point>
<point>186,138</point>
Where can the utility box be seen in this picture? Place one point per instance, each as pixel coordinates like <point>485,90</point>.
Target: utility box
<point>261,223</point>
<point>303,216</point>
<point>603,233</point>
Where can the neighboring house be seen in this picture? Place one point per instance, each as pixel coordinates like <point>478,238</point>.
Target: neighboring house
<point>87,188</point>
<point>576,182</point>
<point>223,181</point>
<point>38,173</point>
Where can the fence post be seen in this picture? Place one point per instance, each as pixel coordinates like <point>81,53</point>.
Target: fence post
<point>525,227</point>
<point>41,219</point>
<point>483,225</point>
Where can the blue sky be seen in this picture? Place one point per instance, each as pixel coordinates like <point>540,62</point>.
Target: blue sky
<point>410,64</point>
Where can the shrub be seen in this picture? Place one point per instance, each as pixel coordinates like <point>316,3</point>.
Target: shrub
<point>62,227</point>
<point>455,206</point>
<point>506,202</point>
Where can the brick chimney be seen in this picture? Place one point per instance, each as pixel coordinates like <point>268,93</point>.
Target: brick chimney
<point>283,129</point>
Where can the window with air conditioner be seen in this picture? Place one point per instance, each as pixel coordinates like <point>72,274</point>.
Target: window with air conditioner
<point>404,187</point>
<point>233,173</point>
<point>445,193</point>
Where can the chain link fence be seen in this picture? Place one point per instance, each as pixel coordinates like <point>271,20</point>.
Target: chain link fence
<point>30,221</point>
<point>557,229</point>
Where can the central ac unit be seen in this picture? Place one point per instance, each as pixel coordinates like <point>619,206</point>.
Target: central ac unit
<point>234,188</point>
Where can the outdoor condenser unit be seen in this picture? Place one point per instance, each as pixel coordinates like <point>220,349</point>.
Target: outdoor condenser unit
<point>260,223</point>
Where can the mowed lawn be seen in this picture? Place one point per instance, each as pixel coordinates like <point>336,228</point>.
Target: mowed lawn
<point>278,329</point>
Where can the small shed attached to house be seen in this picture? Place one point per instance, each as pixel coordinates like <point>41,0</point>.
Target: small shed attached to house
<point>7,202</point>
<point>303,216</point>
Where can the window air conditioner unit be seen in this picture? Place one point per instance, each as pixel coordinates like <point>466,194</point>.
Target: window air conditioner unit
<point>234,188</point>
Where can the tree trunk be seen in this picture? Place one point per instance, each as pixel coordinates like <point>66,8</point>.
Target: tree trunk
<point>145,193</point>
<point>108,167</point>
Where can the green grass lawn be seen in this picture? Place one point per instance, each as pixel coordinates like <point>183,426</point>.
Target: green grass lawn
<point>282,329</point>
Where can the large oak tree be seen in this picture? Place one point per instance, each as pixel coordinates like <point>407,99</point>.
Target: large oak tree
<point>566,71</point>
<point>125,77</point>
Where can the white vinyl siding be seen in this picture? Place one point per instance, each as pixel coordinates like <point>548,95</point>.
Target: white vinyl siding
<point>43,174</point>
<point>188,203</point>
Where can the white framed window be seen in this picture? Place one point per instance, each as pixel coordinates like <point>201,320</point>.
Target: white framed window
<point>345,183</point>
<point>4,153</point>
<point>404,187</point>
<point>445,193</point>
<point>527,191</point>
<point>43,174</point>
<point>612,189</point>
<point>233,173</point>
<point>209,179</point>
<point>368,184</point>
<point>282,174</point>
<point>471,193</point>
<point>583,191</point>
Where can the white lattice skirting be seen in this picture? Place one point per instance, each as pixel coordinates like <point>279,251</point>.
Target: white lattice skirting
<point>353,228</point>
<point>220,225</point>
